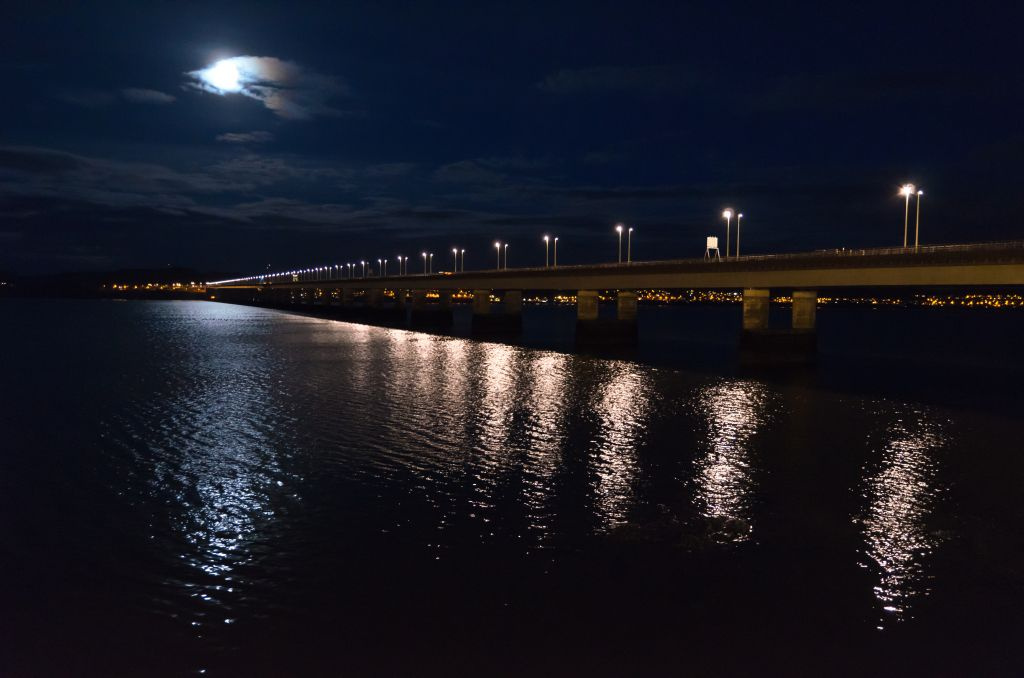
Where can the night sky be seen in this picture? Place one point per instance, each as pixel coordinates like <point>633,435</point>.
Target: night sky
<point>365,130</point>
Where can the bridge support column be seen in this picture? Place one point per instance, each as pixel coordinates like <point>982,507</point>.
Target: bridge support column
<point>506,324</point>
<point>805,310</point>
<point>481,302</point>
<point>431,316</point>
<point>762,346</point>
<point>512,302</point>
<point>755,309</point>
<point>586,305</point>
<point>593,331</point>
<point>625,306</point>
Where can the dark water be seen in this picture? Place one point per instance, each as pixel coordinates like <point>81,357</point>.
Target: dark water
<point>191,486</point>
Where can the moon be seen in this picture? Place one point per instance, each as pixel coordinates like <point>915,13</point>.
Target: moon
<point>224,76</point>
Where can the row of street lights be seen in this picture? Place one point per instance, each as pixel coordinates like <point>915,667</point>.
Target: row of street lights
<point>499,248</point>
<point>547,241</point>
<point>907,190</point>
<point>727,215</point>
<point>629,242</point>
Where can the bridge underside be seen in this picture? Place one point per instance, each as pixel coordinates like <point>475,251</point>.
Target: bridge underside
<point>401,301</point>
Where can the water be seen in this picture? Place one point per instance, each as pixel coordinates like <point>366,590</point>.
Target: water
<point>191,486</point>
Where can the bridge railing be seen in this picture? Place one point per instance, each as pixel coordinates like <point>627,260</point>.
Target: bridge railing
<point>999,249</point>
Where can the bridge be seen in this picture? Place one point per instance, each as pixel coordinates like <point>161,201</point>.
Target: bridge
<point>368,299</point>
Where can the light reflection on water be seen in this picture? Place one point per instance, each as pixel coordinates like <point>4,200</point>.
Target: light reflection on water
<point>734,412</point>
<point>621,401</point>
<point>902,493</point>
<point>545,396</point>
<point>260,445</point>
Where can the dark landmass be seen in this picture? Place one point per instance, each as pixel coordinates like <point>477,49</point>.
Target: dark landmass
<point>109,283</point>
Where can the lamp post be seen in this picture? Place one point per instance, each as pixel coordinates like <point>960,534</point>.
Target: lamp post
<point>430,268</point>
<point>380,268</point>
<point>385,268</point>
<point>727,215</point>
<point>424,263</point>
<point>462,252</point>
<point>629,245</point>
<point>546,251</point>
<point>364,268</point>
<point>739,217</point>
<point>917,219</point>
<point>906,190</point>
<point>618,229</point>
<point>505,246</point>
<point>556,253</point>
<point>455,260</point>
<point>497,246</point>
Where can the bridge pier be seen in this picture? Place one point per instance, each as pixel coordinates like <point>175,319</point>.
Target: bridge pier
<point>762,345</point>
<point>377,313</point>
<point>508,323</point>
<point>594,331</point>
<point>431,316</point>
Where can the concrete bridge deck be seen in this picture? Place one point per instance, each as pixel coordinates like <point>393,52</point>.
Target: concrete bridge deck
<point>986,264</point>
<point>990,264</point>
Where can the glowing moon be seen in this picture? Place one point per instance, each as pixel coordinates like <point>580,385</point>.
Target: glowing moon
<point>224,76</point>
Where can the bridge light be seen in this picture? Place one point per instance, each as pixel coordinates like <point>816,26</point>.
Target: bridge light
<point>917,219</point>
<point>727,215</point>
<point>739,217</point>
<point>906,190</point>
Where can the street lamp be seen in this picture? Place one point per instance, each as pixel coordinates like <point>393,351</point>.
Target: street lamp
<point>906,190</point>
<point>556,253</point>
<point>618,229</point>
<point>727,215</point>
<point>462,252</point>
<point>629,245</point>
<point>364,268</point>
<point>455,259</point>
<point>385,268</point>
<point>506,255</point>
<point>739,217</point>
<point>380,268</point>
<point>497,246</point>
<point>917,220</point>
<point>546,251</point>
<point>424,263</point>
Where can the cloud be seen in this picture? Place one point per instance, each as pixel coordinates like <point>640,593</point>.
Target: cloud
<point>146,96</point>
<point>493,170</point>
<point>282,86</point>
<point>856,90</point>
<point>619,79</point>
<point>254,137</point>
<point>467,172</point>
<point>390,169</point>
<point>86,98</point>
